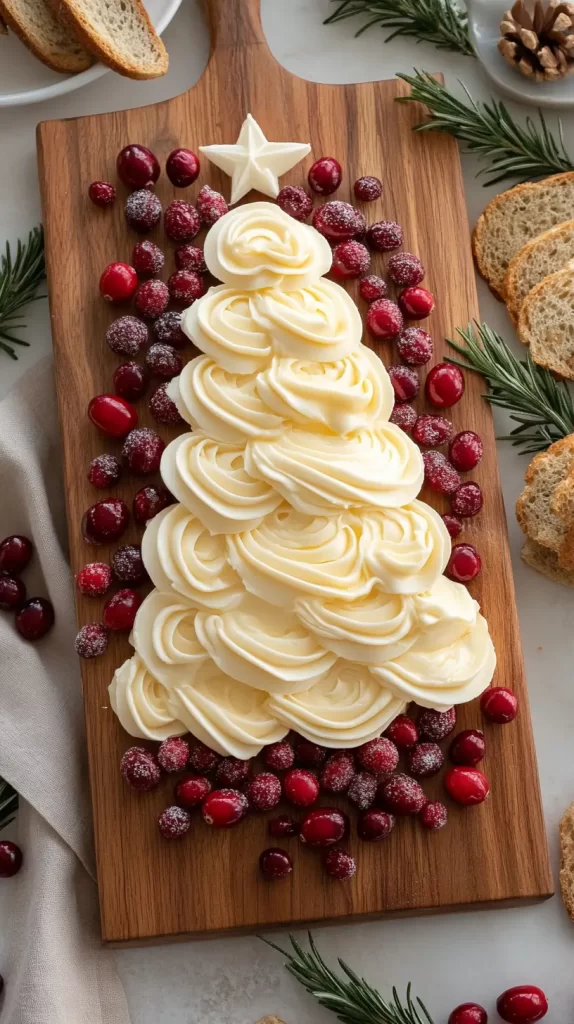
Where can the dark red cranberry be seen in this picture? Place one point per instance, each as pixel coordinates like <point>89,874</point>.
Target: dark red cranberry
<point>167,329</point>
<point>384,319</point>
<point>127,564</point>
<point>131,381</point>
<point>182,167</point>
<point>142,450</point>
<point>415,346</point>
<point>282,826</point>
<point>94,580</point>
<point>323,826</point>
<point>440,476</point>
<point>15,553</point>
<point>372,288</point>
<point>181,221</point>
<point>295,201</point>
<point>416,303</point>
<point>300,787</point>
<point>465,450</point>
<point>499,705</point>
<point>362,790</point>
<point>190,257</point>
<point>105,521</point>
<point>152,298</point>
<point>142,211</point>
<point>464,563</point>
<point>120,610</point>
<point>452,523</point>
<point>385,235</point>
<point>264,791</point>
<point>102,193</point>
<point>231,771</point>
<point>137,166</point>
<point>405,382</point>
<point>467,786</point>
<point>444,385</point>
<point>91,640</point>
<point>163,361</point>
<point>436,725</point>
<point>325,176</point>
<point>127,335</point>
<point>279,756</point>
<point>35,618</point>
<point>104,471</point>
<point>430,430</point>
<point>433,815</point>
<point>118,282</point>
<point>210,206</point>
<point>174,822</point>
<point>12,593</point>
<point>202,759</point>
<point>275,863</point>
<point>223,808</point>
<point>403,416</point>
<point>186,286</point>
<point>10,859</point>
<point>368,188</point>
<point>309,754</point>
<point>523,1004</point>
<point>163,408</point>
<point>147,258</point>
<point>339,864</point>
<point>405,269</point>
<point>139,769</point>
<point>403,732</point>
<point>379,756</point>
<point>192,790</point>
<point>401,795</point>
<point>425,759</point>
<point>467,499</point>
<point>361,226</point>
<point>468,1013</point>
<point>173,754</point>
<point>112,415</point>
<point>350,259</point>
<point>375,825</point>
<point>468,748</point>
<point>337,773</point>
<point>336,221</point>
<point>148,502</point>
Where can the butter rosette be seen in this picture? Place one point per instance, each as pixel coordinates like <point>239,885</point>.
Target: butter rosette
<point>259,246</point>
<point>319,322</point>
<point>181,555</point>
<point>370,630</point>
<point>164,636</point>
<point>323,473</point>
<point>445,613</point>
<point>407,548</point>
<point>222,325</point>
<point>210,479</point>
<point>442,677</point>
<point>345,709</point>
<point>264,647</point>
<point>140,702</point>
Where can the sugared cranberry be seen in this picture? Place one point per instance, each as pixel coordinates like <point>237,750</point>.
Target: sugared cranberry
<point>163,361</point>
<point>416,303</point>
<point>499,705</point>
<point>190,257</point>
<point>350,259</point>
<point>337,773</point>
<point>468,748</point>
<point>440,476</point>
<point>282,826</point>
<point>15,553</point>
<point>181,221</point>
<point>210,205</point>
<point>35,618</point>
<point>444,385</point>
<point>223,808</point>
<point>10,858</point>
<point>139,769</point>
<point>264,791</point>
<point>94,580</point>
<point>466,785</point>
<point>403,732</point>
<point>192,790</point>
<point>142,450</point>
<point>430,430</point>
<point>468,1013</point>
<point>163,408</point>
<point>379,756</point>
<point>401,795</point>
<point>118,282</point>
<point>323,827</point>
<point>325,176</point>
<point>300,787</point>
<point>403,416</point>
<point>202,759</point>
<point>91,640</point>
<point>174,822</point>
<point>279,756</point>
<point>127,335</point>
<point>467,499</point>
<point>120,610</point>
<point>147,258</point>
<point>104,471</point>
<point>105,521</point>
<point>375,825</point>
<point>148,502</point>
<point>464,563</point>
<point>465,450</point>
<point>361,226</point>
<point>415,346</point>
<point>433,815</point>
<point>452,523</point>
<point>384,319</point>
<point>362,790</point>
<point>368,188</point>
<point>436,725</point>
<point>275,863</point>
<point>102,193</point>
<point>295,201</point>
<point>137,166</point>
<point>339,864</point>
<point>372,288</point>
<point>182,167</point>
<point>425,759</point>
<point>113,415</point>
<point>12,593</point>
<point>152,298</point>
<point>186,286</point>
<point>173,754</point>
<point>405,269</point>
<point>385,235</point>
<point>167,329</point>
<point>336,220</point>
<point>523,1004</point>
<point>142,211</point>
<point>405,382</point>
<point>131,381</point>
<point>128,566</point>
<point>309,754</point>
<point>231,771</point>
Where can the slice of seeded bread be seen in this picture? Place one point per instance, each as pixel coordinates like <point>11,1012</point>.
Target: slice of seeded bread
<point>118,32</point>
<point>45,35</point>
<point>545,509</point>
<point>515,217</point>
<point>544,255</point>
<point>567,859</point>
<point>545,562</point>
<point>546,322</point>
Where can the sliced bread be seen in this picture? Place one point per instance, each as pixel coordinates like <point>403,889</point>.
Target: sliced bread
<point>515,217</point>
<point>546,322</point>
<point>567,859</point>
<point>544,255</point>
<point>545,562</point>
<point>45,35</point>
<point>118,32</point>
<point>545,509</point>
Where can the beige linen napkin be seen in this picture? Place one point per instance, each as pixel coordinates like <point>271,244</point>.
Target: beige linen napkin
<point>56,971</point>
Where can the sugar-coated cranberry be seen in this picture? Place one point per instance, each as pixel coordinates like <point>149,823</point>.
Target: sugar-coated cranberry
<point>415,346</point>
<point>279,756</point>
<point>350,259</point>
<point>127,335</point>
<point>10,858</point>
<point>467,499</point>
<point>295,201</point>
<point>430,430</point>
<point>94,579</point>
<point>464,563</point>
<point>522,1004</point>
<point>223,808</point>
<point>468,1013</point>
<point>203,759</point>
<point>275,863</point>
<point>231,771</point>
<point>264,791</point>
<point>12,593</point>
<point>102,193</point>
<point>118,282</point>
<point>368,188</point>
<point>379,756</point>
<point>405,269</point>
<point>15,553</point>
<point>105,521</point>
<point>362,790</point>
<point>361,226</point>
<point>190,257</point>
<point>405,382</point>
<point>403,416</point>
<point>309,754</point>
<point>466,785</point>
<point>401,795</point>
<point>174,822</point>
<point>385,235</point>
<point>167,329</point>
<point>339,864</point>
<point>163,361</point>
<point>127,564</point>
<point>35,618</point>
<point>372,288</point>
<point>444,385</point>
<point>403,732</point>
<point>440,476</point>
<point>163,408</point>
<point>91,640</point>
<point>142,450</point>
<point>186,286</point>
<point>282,826</point>
<point>137,166</point>
<point>147,258</point>
<point>152,298</point>
<point>433,815</point>
<point>323,826</point>
<point>130,381</point>
<point>416,303</point>
<point>113,415</point>
<point>499,705</point>
<point>375,825</point>
<point>325,176</point>
<point>139,769</point>
<point>210,205</point>
<point>465,450</point>
<point>336,221</point>
<point>104,471</point>
<point>142,211</point>
<point>452,523</point>
<point>337,773</point>
<point>468,748</point>
<point>300,787</point>
<point>425,759</point>
<point>173,754</point>
<point>182,167</point>
<point>191,790</point>
<point>120,610</point>
<point>181,221</point>
<point>384,319</point>
<point>436,725</point>
<point>148,502</point>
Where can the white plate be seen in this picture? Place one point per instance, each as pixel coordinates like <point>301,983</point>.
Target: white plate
<point>24,79</point>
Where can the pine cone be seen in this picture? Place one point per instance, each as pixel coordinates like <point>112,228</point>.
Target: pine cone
<point>539,44</point>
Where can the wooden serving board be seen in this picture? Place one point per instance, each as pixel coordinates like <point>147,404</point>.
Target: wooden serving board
<point>209,883</point>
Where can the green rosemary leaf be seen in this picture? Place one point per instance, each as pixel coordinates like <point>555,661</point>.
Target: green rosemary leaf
<point>441,22</point>
<point>19,279</point>
<point>8,803</point>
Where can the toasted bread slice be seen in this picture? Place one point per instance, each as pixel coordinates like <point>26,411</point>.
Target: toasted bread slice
<point>515,217</point>
<point>544,255</point>
<point>51,41</point>
<point>567,859</point>
<point>118,32</point>
<point>546,322</point>
<point>545,562</point>
<point>545,509</point>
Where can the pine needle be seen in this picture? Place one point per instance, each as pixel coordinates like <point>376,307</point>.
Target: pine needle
<point>19,279</point>
<point>441,22</point>
<point>8,803</point>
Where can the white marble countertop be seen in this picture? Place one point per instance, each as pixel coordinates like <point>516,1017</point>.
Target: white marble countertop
<point>451,958</point>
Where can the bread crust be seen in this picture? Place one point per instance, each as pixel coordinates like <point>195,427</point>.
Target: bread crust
<point>567,859</point>
<point>523,328</point>
<point>516,264</point>
<point>71,66</point>
<point>557,564</point>
<point>65,12</point>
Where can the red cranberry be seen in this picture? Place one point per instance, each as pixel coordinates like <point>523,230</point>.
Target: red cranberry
<point>430,430</point>
<point>362,790</point>
<point>468,1013</point>
<point>190,257</point>
<point>403,416</point>
<point>94,580</point>
<point>173,754</point>
<point>15,553</point>
<point>104,471</point>
<point>131,381</point>
<point>181,221</point>
<point>137,166</point>
<point>468,748</point>
<point>295,201</point>
<point>403,732</point>
<point>275,863</point>
<point>210,206</point>
<point>425,759</point>
<point>452,523</point>
<point>202,759</point>
<point>325,176</point>
<point>465,450</point>
<point>374,825</point>
<point>102,193</point>
<point>372,288</point>
<point>300,787</point>
<point>467,499</point>
<point>182,167</point>
<point>440,476</point>
<point>337,773</point>
<point>464,563</point>
<point>415,346</point>
<point>523,1004</point>
<point>142,450</point>
<point>118,282</point>
<point>309,754</point>
<point>436,725</point>
<point>148,502</point>
<point>361,226</point>
<point>336,220</point>
<point>416,303</point>
<point>405,382</point>
<point>279,756</point>
<point>264,792</point>
<point>283,826</point>
<point>444,385</point>
<point>10,859</point>
<point>152,298</point>
<point>35,618</point>
<point>433,815</point>
<point>128,566</point>
<point>466,785</point>
<point>401,795</point>
<point>223,808</point>
<point>12,593</point>
<point>142,211</point>
<point>499,705</point>
<point>231,771</point>
<point>385,235</point>
<point>139,769</point>
<point>163,361</point>
<point>350,259</point>
<point>379,756</point>
<point>163,408</point>
<point>105,521</point>
<point>127,335</point>
<point>120,610</point>
<point>91,640</point>
<point>405,269</point>
<point>186,286</point>
<point>167,329</point>
<point>384,319</point>
<point>112,415</point>
<point>147,258</point>
<point>339,864</point>
<point>192,790</point>
<point>368,188</point>
<point>174,822</point>
<point>323,827</point>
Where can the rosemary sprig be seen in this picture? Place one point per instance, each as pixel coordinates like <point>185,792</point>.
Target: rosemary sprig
<point>488,130</point>
<point>8,803</point>
<point>19,279</point>
<point>441,22</point>
<point>541,406</point>
<point>354,1001</point>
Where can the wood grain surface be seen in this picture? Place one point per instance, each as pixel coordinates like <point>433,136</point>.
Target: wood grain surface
<point>210,882</point>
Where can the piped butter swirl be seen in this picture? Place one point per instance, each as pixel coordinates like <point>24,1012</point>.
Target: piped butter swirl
<point>165,637</point>
<point>222,324</point>
<point>141,703</point>
<point>406,549</point>
<point>370,630</point>
<point>318,322</point>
